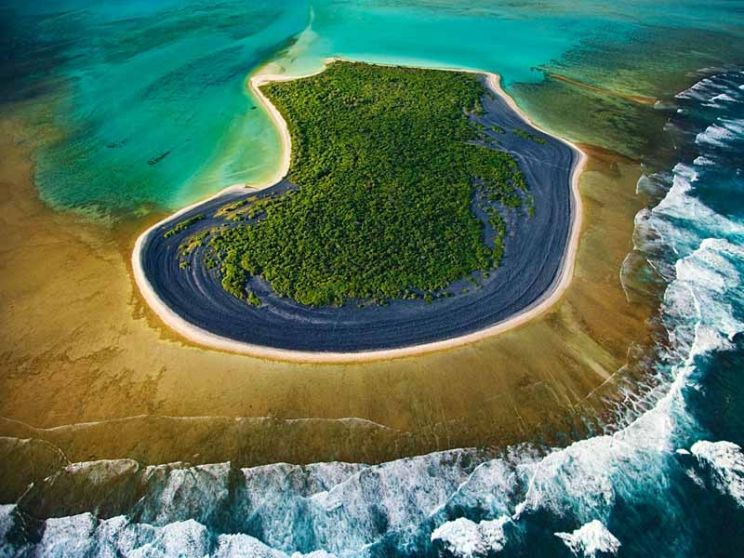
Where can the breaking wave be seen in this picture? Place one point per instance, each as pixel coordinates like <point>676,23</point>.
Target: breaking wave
<point>664,484</point>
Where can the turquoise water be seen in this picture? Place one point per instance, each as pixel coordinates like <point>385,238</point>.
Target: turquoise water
<point>148,106</point>
<point>150,102</point>
<point>127,82</point>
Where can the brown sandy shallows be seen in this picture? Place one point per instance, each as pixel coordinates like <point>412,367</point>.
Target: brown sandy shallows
<point>641,99</point>
<point>86,366</point>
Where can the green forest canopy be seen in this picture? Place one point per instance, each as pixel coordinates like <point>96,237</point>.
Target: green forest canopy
<point>388,168</point>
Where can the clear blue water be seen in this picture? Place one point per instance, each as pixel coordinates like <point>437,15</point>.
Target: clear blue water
<point>667,481</point>
<point>149,106</point>
<point>146,105</point>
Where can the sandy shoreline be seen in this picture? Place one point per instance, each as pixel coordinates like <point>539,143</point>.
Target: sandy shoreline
<point>206,338</point>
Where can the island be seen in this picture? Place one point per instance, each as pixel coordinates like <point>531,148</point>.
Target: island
<point>418,209</point>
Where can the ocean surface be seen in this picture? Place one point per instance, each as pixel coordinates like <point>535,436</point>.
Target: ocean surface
<point>145,109</point>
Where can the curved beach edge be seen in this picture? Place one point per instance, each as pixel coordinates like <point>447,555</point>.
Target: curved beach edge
<point>205,338</point>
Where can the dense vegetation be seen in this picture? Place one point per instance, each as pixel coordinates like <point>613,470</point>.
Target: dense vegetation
<point>182,226</point>
<point>524,134</point>
<point>388,169</point>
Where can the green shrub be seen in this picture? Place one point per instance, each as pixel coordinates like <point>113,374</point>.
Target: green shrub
<point>387,173</point>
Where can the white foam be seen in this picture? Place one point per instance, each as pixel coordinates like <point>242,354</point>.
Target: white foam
<point>584,479</point>
<point>734,125</point>
<point>722,133</point>
<point>681,205</point>
<point>102,471</point>
<point>720,101</point>
<point>591,539</point>
<point>184,492</point>
<point>698,300</point>
<point>699,91</point>
<point>726,98</point>
<point>314,554</point>
<point>715,135</point>
<point>83,535</point>
<point>651,186</point>
<point>68,536</point>
<point>703,161</point>
<point>181,538</point>
<point>7,520</point>
<point>244,546</point>
<point>725,460</point>
<point>466,539</point>
<point>117,537</point>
